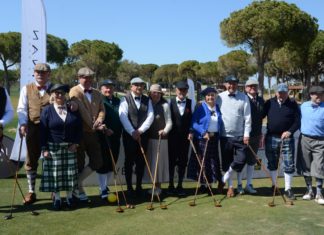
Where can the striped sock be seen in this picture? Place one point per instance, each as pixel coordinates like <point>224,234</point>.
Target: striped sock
<point>31,180</point>
<point>319,185</point>
<point>57,195</point>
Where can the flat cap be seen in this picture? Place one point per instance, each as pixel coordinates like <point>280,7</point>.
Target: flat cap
<point>208,90</point>
<point>182,85</point>
<point>42,67</point>
<point>251,82</point>
<point>316,90</point>
<point>137,80</point>
<point>107,82</point>
<point>60,87</point>
<point>282,87</point>
<point>85,71</point>
<point>231,78</point>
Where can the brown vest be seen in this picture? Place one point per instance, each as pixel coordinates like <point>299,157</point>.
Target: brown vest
<point>159,121</point>
<point>35,103</point>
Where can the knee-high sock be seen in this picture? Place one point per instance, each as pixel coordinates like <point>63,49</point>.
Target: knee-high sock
<point>31,180</point>
<point>57,195</point>
<point>228,175</point>
<point>288,180</point>
<point>308,181</point>
<point>319,185</point>
<point>102,179</point>
<point>239,178</point>
<point>109,176</point>
<point>82,176</point>
<point>273,175</point>
<point>69,194</point>
<point>249,174</point>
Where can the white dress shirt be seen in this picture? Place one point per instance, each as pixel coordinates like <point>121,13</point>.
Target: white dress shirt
<point>123,115</point>
<point>87,94</point>
<point>62,112</point>
<point>9,112</point>
<point>181,106</point>
<point>213,123</point>
<point>23,103</point>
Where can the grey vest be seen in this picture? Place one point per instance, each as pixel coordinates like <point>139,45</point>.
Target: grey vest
<point>137,116</point>
<point>159,121</point>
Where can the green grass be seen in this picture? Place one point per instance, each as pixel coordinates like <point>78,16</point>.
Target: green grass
<point>245,214</point>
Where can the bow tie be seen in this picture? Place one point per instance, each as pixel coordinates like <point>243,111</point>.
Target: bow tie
<point>61,109</point>
<point>41,88</point>
<point>231,95</point>
<point>88,91</point>
<point>181,101</point>
<point>212,113</point>
<point>137,98</point>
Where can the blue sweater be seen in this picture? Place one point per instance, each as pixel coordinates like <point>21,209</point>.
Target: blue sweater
<point>201,118</point>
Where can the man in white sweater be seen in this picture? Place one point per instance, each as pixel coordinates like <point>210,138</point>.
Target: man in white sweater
<point>236,114</point>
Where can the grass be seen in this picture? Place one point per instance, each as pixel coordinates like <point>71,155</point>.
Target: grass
<point>244,214</point>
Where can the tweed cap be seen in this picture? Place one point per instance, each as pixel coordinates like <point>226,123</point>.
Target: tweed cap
<point>316,90</point>
<point>107,82</point>
<point>137,80</point>
<point>251,82</point>
<point>42,67</point>
<point>85,71</point>
<point>282,87</point>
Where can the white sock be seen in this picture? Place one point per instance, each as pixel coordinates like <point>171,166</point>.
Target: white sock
<point>82,176</point>
<point>102,179</point>
<point>239,178</point>
<point>227,175</point>
<point>31,180</point>
<point>57,195</point>
<point>288,181</point>
<point>273,175</point>
<point>249,174</point>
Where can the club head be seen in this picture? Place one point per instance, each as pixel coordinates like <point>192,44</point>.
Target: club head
<point>130,206</point>
<point>34,213</point>
<point>149,207</point>
<point>217,204</point>
<point>290,203</point>
<point>119,210</point>
<point>271,204</point>
<point>193,203</point>
<point>8,217</point>
<point>163,207</point>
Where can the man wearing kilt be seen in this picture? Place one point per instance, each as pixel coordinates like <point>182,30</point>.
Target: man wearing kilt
<point>206,124</point>
<point>112,133</point>
<point>61,131</point>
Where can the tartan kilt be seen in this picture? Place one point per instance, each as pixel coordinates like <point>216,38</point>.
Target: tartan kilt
<point>60,172</point>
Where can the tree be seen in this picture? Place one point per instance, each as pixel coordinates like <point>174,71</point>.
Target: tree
<point>102,57</point>
<point>57,49</point>
<point>266,25</point>
<point>147,70</point>
<point>167,73</point>
<point>316,56</point>
<point>10,44</point>
<point>208,72</point>
<point>126,71</point>
<point>188,69</point>
<point>237,63</point>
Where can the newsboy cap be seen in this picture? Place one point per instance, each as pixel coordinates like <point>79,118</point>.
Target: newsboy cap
<point>282,87</point>
<point>137,80</point>
<point>208,90</point>
<point>42,67</point>
<point>316,90</point>
<point>251,82</point>
<point>85,71</point>
<point>60,87</point>
<point>182,85</point>
<point>231,78</point>
<point>107,82</point>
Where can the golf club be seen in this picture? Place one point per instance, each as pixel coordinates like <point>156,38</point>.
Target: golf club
<point>116,176</point>
<point>150,174</point>
<point>216,202</point>
<point>193,203</point>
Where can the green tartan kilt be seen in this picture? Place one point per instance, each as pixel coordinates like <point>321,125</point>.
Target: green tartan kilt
<point>60,172</point>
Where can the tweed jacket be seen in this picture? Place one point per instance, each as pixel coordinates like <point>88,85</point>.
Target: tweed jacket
<point>90,112</point>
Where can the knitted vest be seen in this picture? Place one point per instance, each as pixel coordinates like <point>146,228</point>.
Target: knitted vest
<point>180,124</point>
<point>137,116</point>
<point>159,121</point>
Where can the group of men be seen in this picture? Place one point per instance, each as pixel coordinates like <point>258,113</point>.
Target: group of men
<point>242,115</point>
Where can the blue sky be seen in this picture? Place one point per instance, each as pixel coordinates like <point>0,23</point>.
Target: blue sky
<point>148,31</point>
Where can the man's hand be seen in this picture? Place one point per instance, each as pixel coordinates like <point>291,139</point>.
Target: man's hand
<point>23,130</point>
<point>206,136</point>
<point>190,136</point>
<point>46,154</point>
<point>285,135</point>
<point>162,133</point>
<point>96,124</point>
<point>246,140</point>
<point>136,135</point>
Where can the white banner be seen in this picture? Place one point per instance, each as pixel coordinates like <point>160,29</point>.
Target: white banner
<point>33,51</point>
<point>191,93</point>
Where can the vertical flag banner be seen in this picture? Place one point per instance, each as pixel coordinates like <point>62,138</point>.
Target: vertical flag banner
<point>191,93</point>
<point>33,51</point>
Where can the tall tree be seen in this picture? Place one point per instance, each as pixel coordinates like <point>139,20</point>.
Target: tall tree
<point>57,49</point>
<point>126,71</point>
<point>147,70</point>
<point>208,72</point>
<point>102,57</point>
<point>266,25</point>
<point>167,73</point>
<point>188,69</point>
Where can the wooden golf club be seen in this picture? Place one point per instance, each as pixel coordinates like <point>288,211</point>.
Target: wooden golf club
<point>118,209</point>
<point>193,203</point>
<point>216,202</point>
<point>150,174</point>
<point>116,176</point>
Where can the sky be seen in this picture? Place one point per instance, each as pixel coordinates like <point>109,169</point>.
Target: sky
<point>148,31</point>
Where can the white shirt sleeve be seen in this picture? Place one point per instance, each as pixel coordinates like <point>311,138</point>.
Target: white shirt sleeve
<point>22,107</point>
<point>123,116</point>
<point>247,117</point>
<point>9,112</point>
<point>167,117</point>
<point>149,119</point>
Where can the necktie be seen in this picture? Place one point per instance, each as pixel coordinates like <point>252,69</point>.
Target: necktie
<point>181,101</point>
<point>41,88</point>
<point>88,91</point>
<point>137,98</point>
<point>231,95</point>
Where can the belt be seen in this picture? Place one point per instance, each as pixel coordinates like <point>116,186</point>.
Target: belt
<point>211,134</point>
<point>314,137</point>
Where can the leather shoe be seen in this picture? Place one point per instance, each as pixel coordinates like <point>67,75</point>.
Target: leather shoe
<point>30,198</point>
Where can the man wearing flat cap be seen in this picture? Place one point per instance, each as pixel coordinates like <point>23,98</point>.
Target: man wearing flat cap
<point>310,157</point>
<point>92,113</point>
<point>110,137</point>
<point>33,98</point>
<point>256,104</point>
<point>181,115</point>
<point>236,112</point>
<point>136,115</point>
<point>283,116</point>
